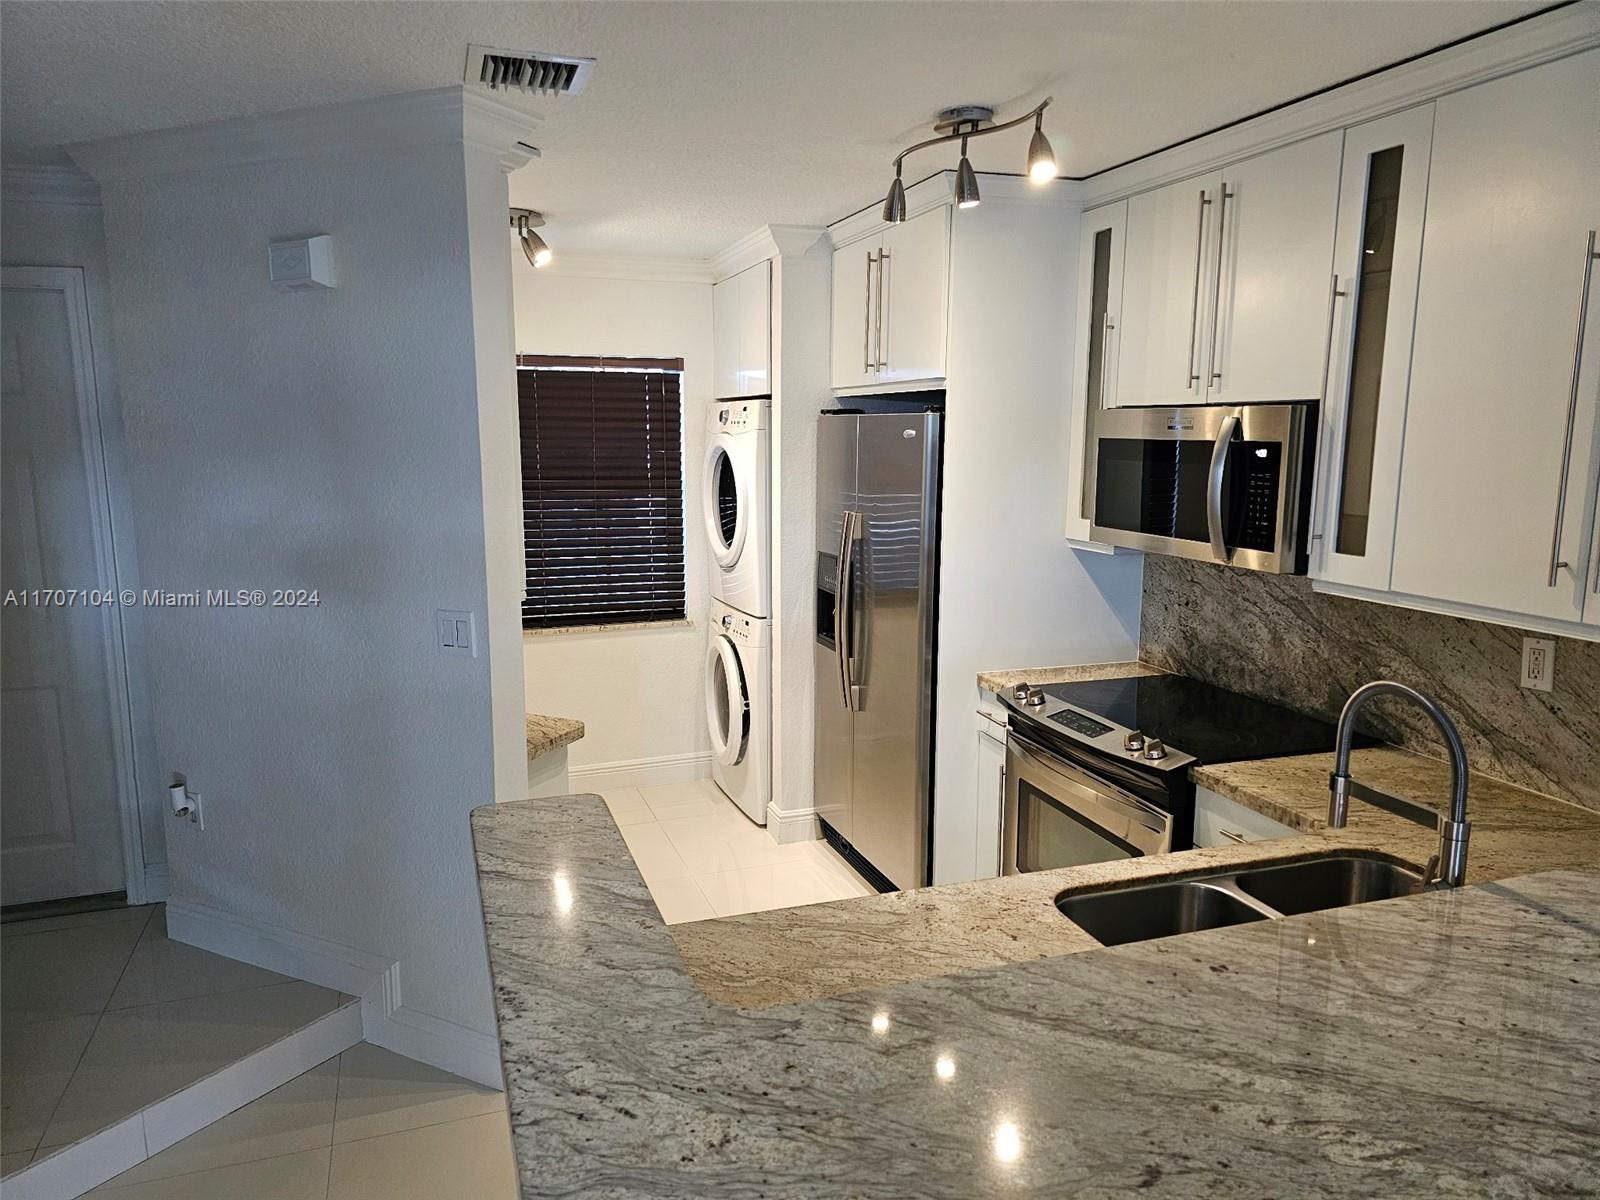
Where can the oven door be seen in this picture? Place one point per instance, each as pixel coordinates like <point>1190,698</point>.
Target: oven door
<point>1058,815</point>
<point>1226,485</point>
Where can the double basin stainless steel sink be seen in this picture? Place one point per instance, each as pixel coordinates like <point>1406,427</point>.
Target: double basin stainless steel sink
<point>1140,912</point>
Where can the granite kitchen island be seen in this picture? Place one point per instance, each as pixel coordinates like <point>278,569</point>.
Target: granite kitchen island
<point>1442,1044</point>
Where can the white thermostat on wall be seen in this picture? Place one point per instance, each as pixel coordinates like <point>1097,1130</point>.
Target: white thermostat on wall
<point>302,265</point>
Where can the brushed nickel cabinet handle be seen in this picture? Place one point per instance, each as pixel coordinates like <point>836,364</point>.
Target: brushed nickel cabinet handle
<point>883,286</point>
<point>1107,328</point>
<point>1556,562</point>
<point>866,320</point>
<point>1194,303</point>
<point>1232,835</point>
<point>1216,302</point>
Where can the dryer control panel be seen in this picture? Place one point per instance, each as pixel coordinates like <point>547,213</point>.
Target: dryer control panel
<point>744,416</point>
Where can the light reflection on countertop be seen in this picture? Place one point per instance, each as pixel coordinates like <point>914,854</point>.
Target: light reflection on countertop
<point>1443,1044</point>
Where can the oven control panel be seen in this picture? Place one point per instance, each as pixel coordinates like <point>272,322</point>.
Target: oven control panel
<point>1079,723</point>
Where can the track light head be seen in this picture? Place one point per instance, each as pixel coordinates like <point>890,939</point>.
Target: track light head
<point>1041,159</point>
<point>966,184</point>
<point>894,207</point>
<point>523,220</point>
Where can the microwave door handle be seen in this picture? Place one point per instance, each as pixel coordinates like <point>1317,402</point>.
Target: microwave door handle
<point>1214,481</point>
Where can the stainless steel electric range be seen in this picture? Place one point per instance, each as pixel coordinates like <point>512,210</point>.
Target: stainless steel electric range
<point>1099,769</point>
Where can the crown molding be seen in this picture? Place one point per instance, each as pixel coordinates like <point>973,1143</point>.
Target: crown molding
<point>49,185</point>
<point>640,269</point>
<point>448,115</point>
<point>759,245</point>
<point>1528,43</point>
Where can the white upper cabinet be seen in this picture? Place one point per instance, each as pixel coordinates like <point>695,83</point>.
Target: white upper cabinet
<point>914,290</point>
<point>1170,246</point>
<point>1383,194</point>
<point>1094,369</point>
<point>1497,494</point>
<point>855,276</point>
<point>891,303</point>
<point>741,324</point>
<point>1227,282</point>
<point>1269,329</point>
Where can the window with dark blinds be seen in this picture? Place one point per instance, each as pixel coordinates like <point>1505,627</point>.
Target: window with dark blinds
<point>602,489</point>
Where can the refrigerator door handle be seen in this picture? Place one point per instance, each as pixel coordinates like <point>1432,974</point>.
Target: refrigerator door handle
<point>846,607</point>
<point>840,600</point>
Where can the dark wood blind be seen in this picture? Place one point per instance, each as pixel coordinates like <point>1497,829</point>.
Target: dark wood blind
<point>602,490</point>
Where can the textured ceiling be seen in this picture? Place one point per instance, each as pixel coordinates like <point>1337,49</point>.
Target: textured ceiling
<point>704,120</point>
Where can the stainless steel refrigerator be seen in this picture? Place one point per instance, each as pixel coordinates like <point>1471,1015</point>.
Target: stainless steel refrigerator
<point>877,599</point>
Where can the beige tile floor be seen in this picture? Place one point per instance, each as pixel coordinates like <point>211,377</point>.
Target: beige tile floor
<point>367,1125</point>
<point>101,1015</point>
<point>701,857</point>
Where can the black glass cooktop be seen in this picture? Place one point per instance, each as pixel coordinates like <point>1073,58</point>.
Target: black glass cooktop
<point>1209,723</point>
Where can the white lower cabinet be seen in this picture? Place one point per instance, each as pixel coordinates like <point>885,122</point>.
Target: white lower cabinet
<point>1497,490</point>
<point>1219,821</point>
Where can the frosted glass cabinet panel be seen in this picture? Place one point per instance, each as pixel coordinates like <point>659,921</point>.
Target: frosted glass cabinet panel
<point>1376,255</point>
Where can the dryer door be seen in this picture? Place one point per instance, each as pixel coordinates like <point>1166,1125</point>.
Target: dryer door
<point>727,501</point>
<point>727,702</point>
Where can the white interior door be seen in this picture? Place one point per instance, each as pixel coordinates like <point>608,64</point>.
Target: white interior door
<point>60,750</point>
<point>1168,264</point>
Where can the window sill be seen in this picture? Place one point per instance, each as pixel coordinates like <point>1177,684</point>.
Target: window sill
<point>624,627</point>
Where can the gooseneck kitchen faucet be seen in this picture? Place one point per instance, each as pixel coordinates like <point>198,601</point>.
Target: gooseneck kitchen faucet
<point>1448,867</point>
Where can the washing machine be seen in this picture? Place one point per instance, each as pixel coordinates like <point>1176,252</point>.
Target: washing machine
<point>739,707</point>
<point>736,494</point>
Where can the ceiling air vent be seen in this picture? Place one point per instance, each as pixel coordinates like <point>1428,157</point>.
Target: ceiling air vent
<point>527,71</point>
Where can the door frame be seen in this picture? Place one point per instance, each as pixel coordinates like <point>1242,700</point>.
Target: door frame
<point>70,282</point>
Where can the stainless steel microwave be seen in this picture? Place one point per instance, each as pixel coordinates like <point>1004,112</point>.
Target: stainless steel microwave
<point>1223,484</point>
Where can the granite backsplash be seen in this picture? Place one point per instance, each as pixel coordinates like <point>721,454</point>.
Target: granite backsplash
<point>1271,636</point>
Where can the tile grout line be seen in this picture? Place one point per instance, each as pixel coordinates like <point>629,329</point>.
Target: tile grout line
<point>78,1062</point>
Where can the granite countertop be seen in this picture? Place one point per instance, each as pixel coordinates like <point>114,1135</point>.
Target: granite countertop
<point>999,681</point>
<point>1383,1049</point>
<point>551,733</point>
<point>786,955</point>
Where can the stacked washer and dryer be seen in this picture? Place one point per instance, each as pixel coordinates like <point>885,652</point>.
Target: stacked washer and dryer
<point>737,499</point>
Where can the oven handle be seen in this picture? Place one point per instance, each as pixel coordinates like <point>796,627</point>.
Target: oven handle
<point>1219,467</point>
<point>1104,794</point>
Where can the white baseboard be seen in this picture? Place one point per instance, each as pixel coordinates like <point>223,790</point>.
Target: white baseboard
<point>157,883</point>
<point>800,825</point>
<point>640,772</point>
<point>75,1169</point>
<point>443,1044</point>
<point>385,1022</point>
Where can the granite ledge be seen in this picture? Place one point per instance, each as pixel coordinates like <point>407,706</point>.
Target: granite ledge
<point>551,733</point>
<point>999,681</point>
<point>1283,1040</point>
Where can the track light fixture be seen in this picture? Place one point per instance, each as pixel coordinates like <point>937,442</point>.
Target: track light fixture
<point>525,221</point>
<point>964,122</point>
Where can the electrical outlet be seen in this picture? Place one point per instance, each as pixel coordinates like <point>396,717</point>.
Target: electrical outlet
<point>197,814</point>
<point>1538,663</point>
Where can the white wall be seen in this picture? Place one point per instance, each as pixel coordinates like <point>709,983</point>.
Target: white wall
<point>329,441</point>
<point>639,692</point>
<point>801,291</point>
<point>1012,594</point>
<point>48,221</point>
